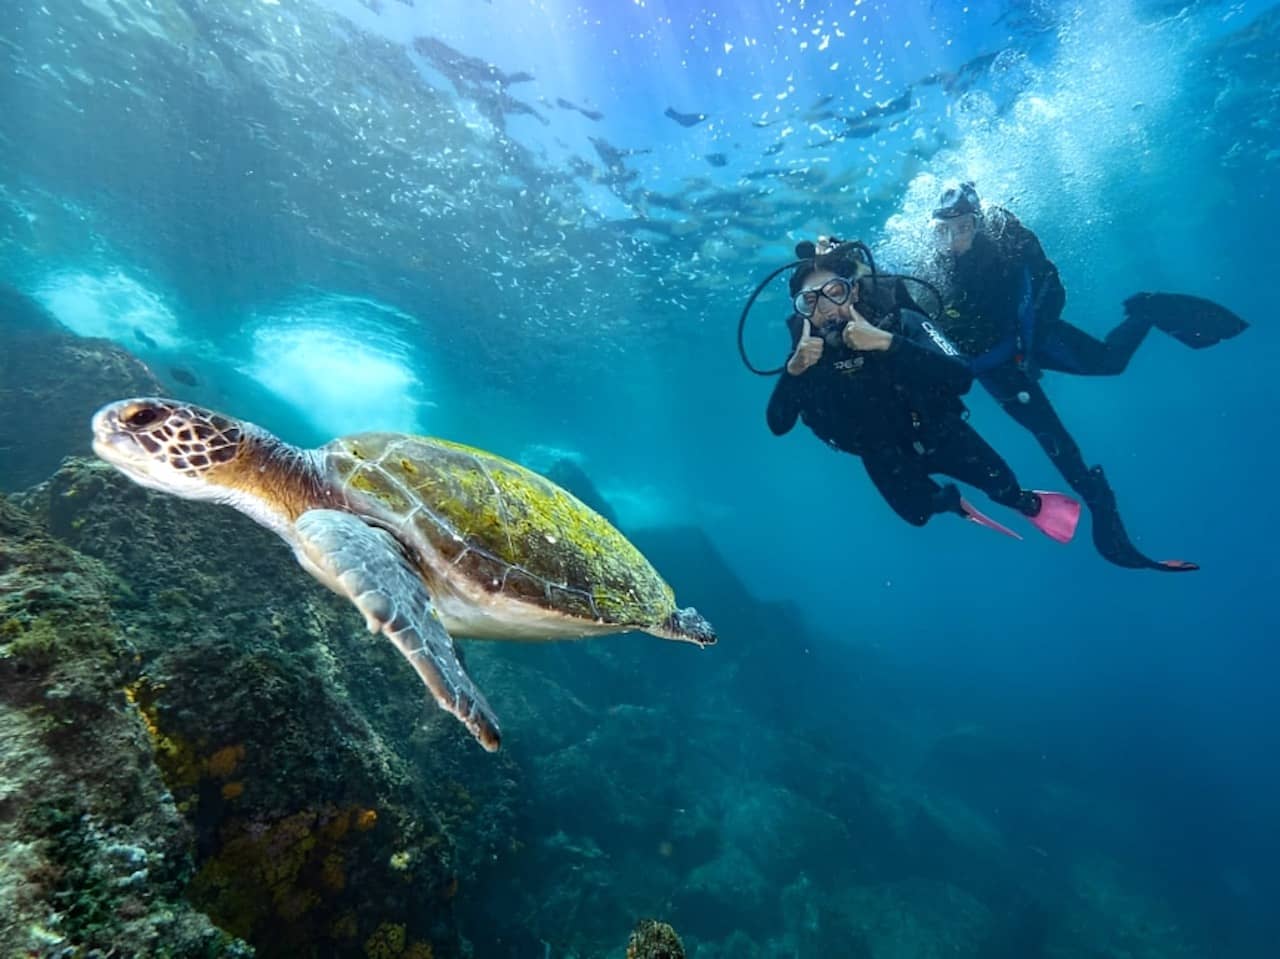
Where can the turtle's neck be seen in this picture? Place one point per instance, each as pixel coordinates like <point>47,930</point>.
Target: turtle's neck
<point>276,482</point>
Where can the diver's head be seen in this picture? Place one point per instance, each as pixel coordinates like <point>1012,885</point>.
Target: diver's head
<point>819,299</point>
<point>827,278</point>
<point>957,216</point>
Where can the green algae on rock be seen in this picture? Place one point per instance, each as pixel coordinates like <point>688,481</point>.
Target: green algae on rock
<point>654,940</point>
<point>93,853</point>
<point>316,798</point>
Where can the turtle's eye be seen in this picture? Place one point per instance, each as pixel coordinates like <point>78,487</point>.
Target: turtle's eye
<point>140,416</point>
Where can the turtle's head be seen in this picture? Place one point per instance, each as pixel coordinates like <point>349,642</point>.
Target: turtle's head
<point>169,446</point>
<point>689,626</point>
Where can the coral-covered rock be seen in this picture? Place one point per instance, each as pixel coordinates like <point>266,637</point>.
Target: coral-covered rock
<point>325,795</point>
<point>94,855</point>
<point>725,894</point>
<point>784,833</point>
<point>654,940</point>
<point>912,919</point>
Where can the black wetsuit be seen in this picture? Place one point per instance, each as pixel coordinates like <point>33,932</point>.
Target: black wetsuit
<point>1003,306</point>
<point>900,411</point>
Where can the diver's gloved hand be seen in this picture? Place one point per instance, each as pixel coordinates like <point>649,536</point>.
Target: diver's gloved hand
<point>808,351</point>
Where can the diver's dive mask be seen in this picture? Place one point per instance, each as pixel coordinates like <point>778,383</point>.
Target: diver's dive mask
<point>827,325</point>
<point>836,290</point>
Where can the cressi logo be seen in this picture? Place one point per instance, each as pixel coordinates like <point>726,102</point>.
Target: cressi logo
<point>939,340</point>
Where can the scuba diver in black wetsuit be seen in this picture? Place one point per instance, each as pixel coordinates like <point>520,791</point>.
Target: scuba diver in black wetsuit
<point>889,392</point>
<point>1003,301</point>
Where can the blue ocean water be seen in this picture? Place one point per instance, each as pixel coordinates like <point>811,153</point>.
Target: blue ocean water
<point>532,226</point>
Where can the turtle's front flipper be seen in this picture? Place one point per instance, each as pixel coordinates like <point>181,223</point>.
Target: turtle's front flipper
<point>365,564</point>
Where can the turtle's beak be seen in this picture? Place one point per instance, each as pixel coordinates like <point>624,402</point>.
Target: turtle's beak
<point>124,448</point>
<point>110,442</point>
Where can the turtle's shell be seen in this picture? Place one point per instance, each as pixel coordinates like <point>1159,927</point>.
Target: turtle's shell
<point>499,525</point>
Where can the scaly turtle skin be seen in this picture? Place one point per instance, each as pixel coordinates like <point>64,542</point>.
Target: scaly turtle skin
<point>424,536</point>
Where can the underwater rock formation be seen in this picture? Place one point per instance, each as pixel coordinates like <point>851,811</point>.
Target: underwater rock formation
<point>914,917</point>
<point>654,940</point>
<point>94,853</point>
<point>51,381</point>
<point>307,797</point>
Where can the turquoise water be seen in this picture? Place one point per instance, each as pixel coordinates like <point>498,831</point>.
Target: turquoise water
<point>531,227</point>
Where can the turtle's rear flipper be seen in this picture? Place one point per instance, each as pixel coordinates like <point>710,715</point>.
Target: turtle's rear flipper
<point>366,565</point>
<point>1191,320</point>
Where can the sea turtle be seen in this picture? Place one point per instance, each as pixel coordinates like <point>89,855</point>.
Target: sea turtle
<point>426,537</point>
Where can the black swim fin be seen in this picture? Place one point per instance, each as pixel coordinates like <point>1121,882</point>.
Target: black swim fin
<point>1109,535</point>
<point>1190,320</point>
<point>1114,545</point>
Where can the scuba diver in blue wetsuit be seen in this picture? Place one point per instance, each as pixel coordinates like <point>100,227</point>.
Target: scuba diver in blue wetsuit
<point>883,383</point>
<point>1003,301</point>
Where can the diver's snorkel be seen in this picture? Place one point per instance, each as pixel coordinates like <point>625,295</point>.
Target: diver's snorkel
<point>827,250</point>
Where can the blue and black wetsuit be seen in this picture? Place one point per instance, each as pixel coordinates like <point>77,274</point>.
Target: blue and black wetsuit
<point>1003,306</point>
<point>900,411</point>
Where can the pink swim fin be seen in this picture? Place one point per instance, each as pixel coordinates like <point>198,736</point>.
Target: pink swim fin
<point>1058,516</point>
<point>974,516</point>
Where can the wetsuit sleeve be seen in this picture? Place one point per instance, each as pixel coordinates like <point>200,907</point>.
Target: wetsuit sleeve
<point>784,404</point>
<point>925,358</point>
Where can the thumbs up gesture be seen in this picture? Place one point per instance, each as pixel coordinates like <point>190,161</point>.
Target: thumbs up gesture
<point>808,351</point>
<point>860,335</point>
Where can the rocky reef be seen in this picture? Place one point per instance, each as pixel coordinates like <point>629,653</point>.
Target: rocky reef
<point>654,940</point>
<point>94,853</point>
<point>310,800</point>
